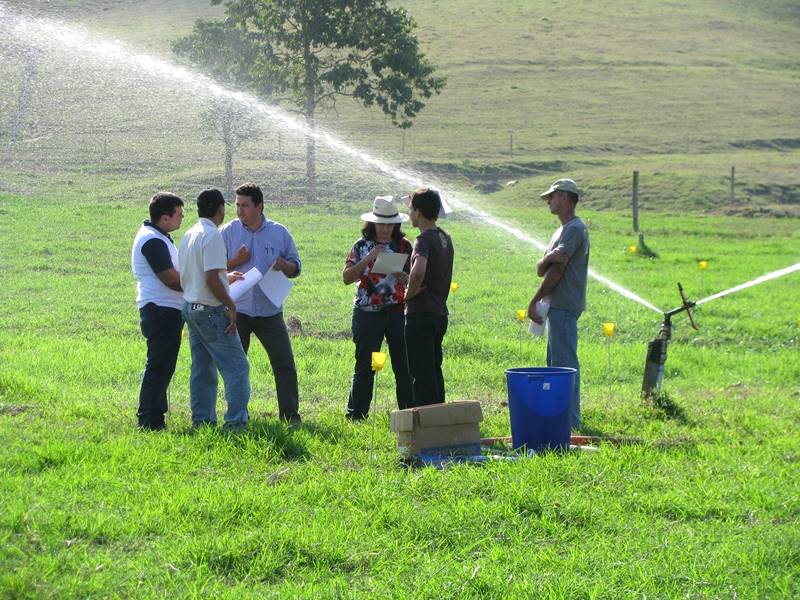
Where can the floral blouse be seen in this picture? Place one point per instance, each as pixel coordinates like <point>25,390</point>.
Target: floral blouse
<point>379,290</point>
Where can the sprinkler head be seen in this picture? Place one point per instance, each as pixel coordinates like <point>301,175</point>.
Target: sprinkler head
<point>686,305</point>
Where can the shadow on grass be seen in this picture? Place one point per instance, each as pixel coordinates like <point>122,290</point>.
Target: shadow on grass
<point>661,403</point>
<point>281,437</point>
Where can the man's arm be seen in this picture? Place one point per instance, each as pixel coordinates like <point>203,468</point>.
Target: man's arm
<point>220,293</point>
<point>554,257</point>
<point>158,257</point>
<point>242,256</point>
<point>288,267</point>
<point>417,275</point>
<point>289,262</point>
<point>170,278</point>
<point>551,278</point>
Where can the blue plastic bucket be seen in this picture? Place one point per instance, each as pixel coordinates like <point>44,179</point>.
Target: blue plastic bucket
<point>539,401</point>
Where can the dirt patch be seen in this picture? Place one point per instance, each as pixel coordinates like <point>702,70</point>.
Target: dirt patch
<point>15,409</point>
<point>773,144</point>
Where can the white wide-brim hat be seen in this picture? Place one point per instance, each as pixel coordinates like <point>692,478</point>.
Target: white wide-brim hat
<point>384,210</point>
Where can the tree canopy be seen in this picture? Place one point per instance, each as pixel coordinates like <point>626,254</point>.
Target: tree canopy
<point>313,51</point>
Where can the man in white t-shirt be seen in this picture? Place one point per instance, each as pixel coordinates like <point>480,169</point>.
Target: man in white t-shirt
<point>154,262</point>
<point>210,314</point>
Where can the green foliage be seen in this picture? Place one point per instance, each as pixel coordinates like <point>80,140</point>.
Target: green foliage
<point>319,49</point>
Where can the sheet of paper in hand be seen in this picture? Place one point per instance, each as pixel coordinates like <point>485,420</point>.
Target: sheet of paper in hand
<point>276,286</point>
<point>389,262</point>
<point>242,286</point>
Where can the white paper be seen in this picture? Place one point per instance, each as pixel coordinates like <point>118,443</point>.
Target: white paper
<point>276,286</point>
<point>242,286</point>
<point>389,262</point>
<point>542,308</point>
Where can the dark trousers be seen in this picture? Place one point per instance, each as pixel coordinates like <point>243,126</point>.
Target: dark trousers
<point>161,327</point>
<point>424,334</point>
<point>369,330</point>
<point>274,337</point>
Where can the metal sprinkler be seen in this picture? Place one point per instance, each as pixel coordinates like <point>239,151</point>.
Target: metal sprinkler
<point>657,348</point>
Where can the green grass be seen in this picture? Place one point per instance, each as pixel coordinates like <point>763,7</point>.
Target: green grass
<point>707,507</point>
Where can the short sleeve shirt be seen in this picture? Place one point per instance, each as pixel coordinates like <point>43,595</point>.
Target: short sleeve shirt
<point>376,291</point>
<point>157,255</point>
<point>573,239</point>
<point>202,249</point>
<point>437,246</point>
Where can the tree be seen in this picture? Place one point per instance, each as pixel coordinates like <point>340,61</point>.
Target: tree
<point>221,51</point>
<point>318,50</point>
<point>17,126</point>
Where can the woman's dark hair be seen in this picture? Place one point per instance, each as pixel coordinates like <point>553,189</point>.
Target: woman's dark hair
<point>368,232</point>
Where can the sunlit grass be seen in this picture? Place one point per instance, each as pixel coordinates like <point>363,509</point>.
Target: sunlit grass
<point>706,507</point>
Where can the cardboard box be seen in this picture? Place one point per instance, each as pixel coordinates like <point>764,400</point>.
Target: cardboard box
<point>450,428</point>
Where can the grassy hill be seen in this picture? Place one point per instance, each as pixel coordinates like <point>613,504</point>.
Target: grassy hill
<point>679,91</point>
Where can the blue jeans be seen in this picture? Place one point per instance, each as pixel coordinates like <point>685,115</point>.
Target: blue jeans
<point>562,351</point>
<point>212,350</point>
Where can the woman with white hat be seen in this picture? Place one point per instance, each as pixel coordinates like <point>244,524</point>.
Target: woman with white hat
<point>379,304</point>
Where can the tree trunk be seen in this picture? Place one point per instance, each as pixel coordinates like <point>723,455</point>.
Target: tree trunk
<point>311,140</point>
<point>17,123</point>
<point>311,162</point>
<point>227,137</point>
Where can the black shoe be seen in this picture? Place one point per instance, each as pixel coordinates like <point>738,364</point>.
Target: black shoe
<point>292,419</point>
<point>152,427</point>
<point>356,417</point>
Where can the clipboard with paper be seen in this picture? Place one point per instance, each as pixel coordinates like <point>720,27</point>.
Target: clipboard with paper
<point>389,262</point>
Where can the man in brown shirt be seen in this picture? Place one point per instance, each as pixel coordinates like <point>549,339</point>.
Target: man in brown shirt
<point>426,298</point>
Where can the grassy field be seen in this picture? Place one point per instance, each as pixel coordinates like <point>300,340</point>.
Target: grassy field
<point>706,507</point>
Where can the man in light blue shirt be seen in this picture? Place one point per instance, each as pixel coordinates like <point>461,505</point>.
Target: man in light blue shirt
<point>252,240</point>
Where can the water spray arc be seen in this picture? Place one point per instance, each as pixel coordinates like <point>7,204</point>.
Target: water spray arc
<point>45,31</point>
<point>657,347</point>
<point>33,31</point>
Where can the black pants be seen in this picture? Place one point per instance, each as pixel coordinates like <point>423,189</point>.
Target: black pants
<point>424,334</point>
<point>161,327</point>
<point>274,337</point>
<point>369,330</point>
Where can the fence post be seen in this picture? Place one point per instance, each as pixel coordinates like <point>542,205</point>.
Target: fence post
<point>635,200</point>
<point>733,184</point>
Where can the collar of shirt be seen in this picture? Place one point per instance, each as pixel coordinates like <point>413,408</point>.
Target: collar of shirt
<point>147,223</point>
<point>263,224</point>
